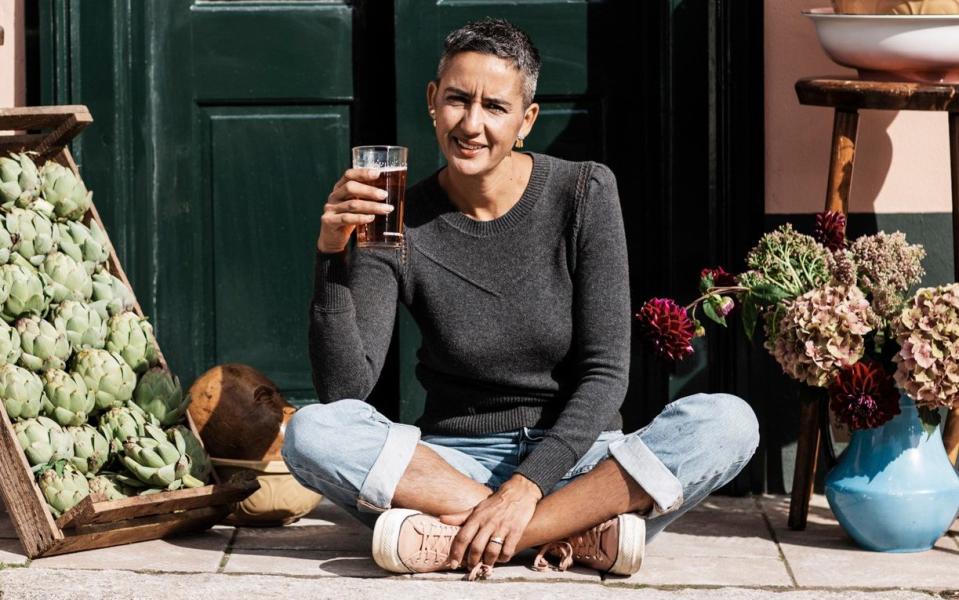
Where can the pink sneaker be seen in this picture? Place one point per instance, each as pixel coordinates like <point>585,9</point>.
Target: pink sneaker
<point>409,541</point>
<point>617,546</point>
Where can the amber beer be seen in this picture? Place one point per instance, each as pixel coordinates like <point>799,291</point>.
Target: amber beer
<point>385,231</point>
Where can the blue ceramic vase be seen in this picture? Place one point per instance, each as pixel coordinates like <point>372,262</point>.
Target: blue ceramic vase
<point>894,489</point>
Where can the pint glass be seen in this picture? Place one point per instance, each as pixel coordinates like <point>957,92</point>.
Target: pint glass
<point>385,231</point>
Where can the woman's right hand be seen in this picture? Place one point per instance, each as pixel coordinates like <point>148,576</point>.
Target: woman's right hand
<point>353,201</point>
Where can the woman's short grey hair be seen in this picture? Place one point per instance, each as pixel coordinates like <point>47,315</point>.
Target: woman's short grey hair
<point>497,37</point>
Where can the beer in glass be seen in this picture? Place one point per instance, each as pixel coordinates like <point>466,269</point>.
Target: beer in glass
<point>384,231</point>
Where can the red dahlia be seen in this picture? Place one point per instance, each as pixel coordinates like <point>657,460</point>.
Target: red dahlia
<point>831,229</point>
<point>715,277</point>
<point>666,328</point>
<point>864,395</point>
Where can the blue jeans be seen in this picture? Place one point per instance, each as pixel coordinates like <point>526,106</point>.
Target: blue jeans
<point>352,454</point>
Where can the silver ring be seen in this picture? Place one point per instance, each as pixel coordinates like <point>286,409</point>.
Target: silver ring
<point>496,540</point>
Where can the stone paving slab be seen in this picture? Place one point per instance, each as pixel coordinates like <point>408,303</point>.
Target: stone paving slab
<point>311,563</point>
<point>722,542</point>
<point>824,555</point>
<point>193,553</point>
<point>56,584</point>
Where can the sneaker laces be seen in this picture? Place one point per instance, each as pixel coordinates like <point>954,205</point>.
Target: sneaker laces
<point>480,571</point>
<point>587,546</point>
<point>437,539</point>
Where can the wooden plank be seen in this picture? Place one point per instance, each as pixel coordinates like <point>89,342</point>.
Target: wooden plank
<point>28,510</point>
<point>854,94</point>
<point>89,512</point>
<point>44,117</point>
<point>137,530</point>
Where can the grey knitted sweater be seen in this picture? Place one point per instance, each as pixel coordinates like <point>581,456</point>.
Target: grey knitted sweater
<point>525,319</point>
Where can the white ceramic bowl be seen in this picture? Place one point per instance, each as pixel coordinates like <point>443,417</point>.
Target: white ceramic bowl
<point>921,48</point>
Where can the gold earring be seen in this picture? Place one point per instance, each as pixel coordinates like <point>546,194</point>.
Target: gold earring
<point>433,114</point>
<point>519,142</point>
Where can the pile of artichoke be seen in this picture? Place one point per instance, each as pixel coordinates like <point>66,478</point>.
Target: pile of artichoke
<point>79,372</point>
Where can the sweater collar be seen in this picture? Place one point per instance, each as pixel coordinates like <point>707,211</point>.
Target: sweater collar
<point>534,189</point>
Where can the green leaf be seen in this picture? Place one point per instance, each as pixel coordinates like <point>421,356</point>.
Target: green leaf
<point>930,419</point>
<point>750,314</point>
<point>709,309</point>
<point>768,293</point>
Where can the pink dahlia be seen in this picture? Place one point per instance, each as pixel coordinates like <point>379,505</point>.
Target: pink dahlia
<point>831,230</point>
<point>666,328</point>
<point>864,395</point>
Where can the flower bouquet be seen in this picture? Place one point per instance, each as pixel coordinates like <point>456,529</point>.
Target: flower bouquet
<point>839,317</point>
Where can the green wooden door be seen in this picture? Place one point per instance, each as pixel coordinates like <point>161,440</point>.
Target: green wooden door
<point>210,157</point>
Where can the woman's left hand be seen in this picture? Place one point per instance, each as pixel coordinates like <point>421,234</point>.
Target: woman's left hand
<point>505,515</point>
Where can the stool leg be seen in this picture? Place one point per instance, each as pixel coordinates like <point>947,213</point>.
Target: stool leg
<point>807,454</point>
<point>845,126</point>
<point>951,430</point>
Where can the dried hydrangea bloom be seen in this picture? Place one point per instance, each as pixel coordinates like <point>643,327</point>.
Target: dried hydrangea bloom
<point>927,330</point>
<point>842,264</point>
<point>821,332</point>
<point>888,267</point>
<point>791,260</point>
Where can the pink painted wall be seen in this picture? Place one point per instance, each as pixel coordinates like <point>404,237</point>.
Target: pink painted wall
<point>902,160</point>
<point>12,56</point>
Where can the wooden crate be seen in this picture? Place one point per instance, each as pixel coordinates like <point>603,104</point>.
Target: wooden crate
<point>90,524</point>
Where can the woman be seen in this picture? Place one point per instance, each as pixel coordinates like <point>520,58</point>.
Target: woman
<point>514,266</point>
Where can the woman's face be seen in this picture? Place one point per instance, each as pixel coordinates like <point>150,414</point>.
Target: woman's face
<point>479,102</point>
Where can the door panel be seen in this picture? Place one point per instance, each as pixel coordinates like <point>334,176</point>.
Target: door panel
<point>262,220</point>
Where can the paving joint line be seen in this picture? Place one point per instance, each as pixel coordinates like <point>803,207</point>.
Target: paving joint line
<point>772,533</point>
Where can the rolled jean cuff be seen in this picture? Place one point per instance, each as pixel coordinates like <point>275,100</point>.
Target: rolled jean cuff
<point>650,473</point>
<point>377,490</point>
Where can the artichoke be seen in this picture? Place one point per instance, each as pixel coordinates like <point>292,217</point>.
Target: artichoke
<point>90,449</point>
<point>131,336</point>
<point>19,180</point>
<point>63,488</point>
<point>6,243</point>
<point>82,323</point>
<point>122,422</point>
<point>66,397</point>
<point>111,486</point>
<point>107,375</point>
<point>67,278</point>
<point>200,465</point>
<point>22,291</point>
<point>43,441</point>
<point>159,393</point>
<point>110,295</point>
<point>9,344</point>
<point>21,391</point>
<point>88,246</point>
<point>159,461</point>
<point>44,345</point>
<point>33,234</point>
<point>65,191</point>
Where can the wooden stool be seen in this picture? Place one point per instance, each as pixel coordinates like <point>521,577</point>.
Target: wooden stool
<point>848,96</point>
